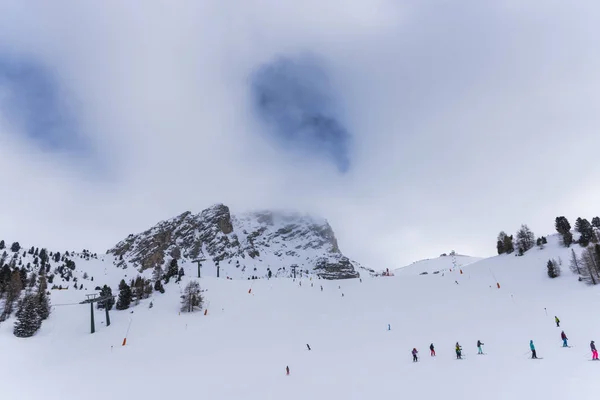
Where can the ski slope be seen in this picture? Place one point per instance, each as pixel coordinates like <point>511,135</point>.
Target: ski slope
<point>435,265</point>
<point>241,348</point>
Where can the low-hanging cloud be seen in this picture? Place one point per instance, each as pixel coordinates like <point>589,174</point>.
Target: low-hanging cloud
<point>34,104</point>
<point>293,96</point>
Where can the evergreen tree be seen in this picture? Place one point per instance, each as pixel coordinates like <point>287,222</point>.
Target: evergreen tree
<point>31,250</point>
<point>28,319</point>
<point>553,269</point>
<point>563,227</point>
<point>124,296</point>
<point>2,245</point>
<point>158,286</point>
<point>500,243</point>
<point>508,244</point>
<point>525,239</point>
<point>180,273</point>
<point>106,291</point>
<point>15,247</point>
<point>586,231</point>
<point>596,222</point>
<point>43,300</point>
<point>172,270</point>
<point>191,298</point>
<point>544,241</point>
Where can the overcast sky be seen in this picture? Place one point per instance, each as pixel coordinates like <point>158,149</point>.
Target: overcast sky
<point>414,127</point>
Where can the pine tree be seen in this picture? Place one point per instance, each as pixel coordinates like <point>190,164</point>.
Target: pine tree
<point>563,227</point>
<point>596,222</point>
<point>28,319</point>
<point>15,247</point>
<point>124,296</point>
<point>106,291</point>
<point>191,298</point>
<point>553,269</point>
<point>525,239</point>
<point>180,274</point>
<point>508,244</point>
<point>500,243</point>
<point>158,286</point>
<point>2,245</point>
<point>586,231</point>
<point>172,270</point>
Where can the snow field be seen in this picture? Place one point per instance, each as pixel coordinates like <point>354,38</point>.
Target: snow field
<point>241,348</point>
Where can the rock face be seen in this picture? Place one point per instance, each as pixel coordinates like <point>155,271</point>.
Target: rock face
<point>241,246</point>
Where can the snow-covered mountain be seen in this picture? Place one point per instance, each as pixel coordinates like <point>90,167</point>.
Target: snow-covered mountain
<point>242,246</point>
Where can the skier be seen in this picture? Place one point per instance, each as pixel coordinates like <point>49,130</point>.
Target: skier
<point>287,370</point>
<point>532,347</point>
<point>594,351</point>
<point>458,351</point>
<point>564,339</point>
<point>557,321</point>
<point>321,288</point>
<point>307,345</point>
<point>414,354</point>
<point>432,349</point>
<point>479,344</point>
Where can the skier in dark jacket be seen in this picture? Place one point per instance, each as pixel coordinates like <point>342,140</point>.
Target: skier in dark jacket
<point>307,345</point>
<point>458,351</point>
<point>479,349</point>
<point>432,350</point>
<point>594,351</point>
<point>564,338</point>
<point>414,354</point>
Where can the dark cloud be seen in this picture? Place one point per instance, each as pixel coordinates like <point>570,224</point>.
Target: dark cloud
<point>293,96</point>
<point>32,100</point>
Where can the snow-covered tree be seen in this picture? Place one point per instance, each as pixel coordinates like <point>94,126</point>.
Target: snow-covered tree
<point>563,227</point>
<point>525,239</point>
<point>106,291</point>
<point>28,318</point>
<point>191,298</point>
<point>553,268</point>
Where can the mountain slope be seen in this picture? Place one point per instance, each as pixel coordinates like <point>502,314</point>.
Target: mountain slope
<point>243,246</point>
<point>241,347</point>
<point>436,265</point>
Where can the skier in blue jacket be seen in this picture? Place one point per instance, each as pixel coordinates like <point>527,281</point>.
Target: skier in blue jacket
<point>532,347</point>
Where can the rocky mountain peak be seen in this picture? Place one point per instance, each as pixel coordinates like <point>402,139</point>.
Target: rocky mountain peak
<point>245,245</point>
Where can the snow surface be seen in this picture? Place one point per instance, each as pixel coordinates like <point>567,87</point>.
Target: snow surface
<point>241,348</point>
<point>440,264</point>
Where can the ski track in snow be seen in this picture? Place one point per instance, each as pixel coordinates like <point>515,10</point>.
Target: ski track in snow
<point>241,348</point>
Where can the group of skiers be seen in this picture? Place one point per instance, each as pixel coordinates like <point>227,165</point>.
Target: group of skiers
<point>457,348</point>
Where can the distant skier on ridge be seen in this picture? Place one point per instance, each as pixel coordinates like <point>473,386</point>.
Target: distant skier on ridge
<point>414,354</point>
<point>432,350</point>
<point>532,347</point>
<point>594,351</point>
<point>458,351</point>
<point>479,349</point>
<point>564,338</point>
